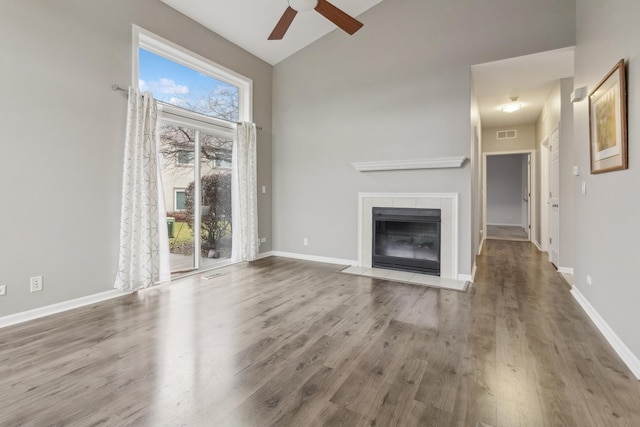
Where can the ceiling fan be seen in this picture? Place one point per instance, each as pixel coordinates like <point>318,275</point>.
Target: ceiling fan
<point>323,7</point>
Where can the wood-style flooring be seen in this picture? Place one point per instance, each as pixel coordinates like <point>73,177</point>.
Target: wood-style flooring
<point>507,232</point>
<point>283,342</point>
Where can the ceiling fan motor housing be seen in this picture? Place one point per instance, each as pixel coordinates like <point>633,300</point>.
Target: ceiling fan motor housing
<point>303,5</point>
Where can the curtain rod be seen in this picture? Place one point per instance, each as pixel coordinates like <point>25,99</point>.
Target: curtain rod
<point>118,88</point>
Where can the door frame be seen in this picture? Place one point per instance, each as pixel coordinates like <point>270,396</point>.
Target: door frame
<point>532,186</point>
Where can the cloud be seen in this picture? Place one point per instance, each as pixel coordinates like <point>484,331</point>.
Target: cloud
<point>163,86</point>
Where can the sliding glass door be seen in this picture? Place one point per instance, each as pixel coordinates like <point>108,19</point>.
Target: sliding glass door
<point>196,176</point>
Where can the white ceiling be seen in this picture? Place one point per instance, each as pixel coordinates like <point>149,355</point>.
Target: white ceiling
<point>248,23</point>
<point>531,78</point>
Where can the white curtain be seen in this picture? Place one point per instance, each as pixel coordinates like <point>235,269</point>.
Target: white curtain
<point>141,212</point>
<point>245,212</point>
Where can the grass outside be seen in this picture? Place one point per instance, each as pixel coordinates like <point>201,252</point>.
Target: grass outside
<point>182,233</point>
<point>182,241</point>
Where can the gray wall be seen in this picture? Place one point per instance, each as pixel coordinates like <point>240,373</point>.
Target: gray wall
<point>504,189</point>
<point>397,89</point>
<point>64,137</point>
<point>607,230</point>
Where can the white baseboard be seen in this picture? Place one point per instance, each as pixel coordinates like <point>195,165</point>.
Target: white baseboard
<point>465,277</point>
<point>507,225</point>
<point>315,258</point>
<point>36,313</point>
<point>618,345</point>
<point>265,255</point>
<point>537,245</point>
<point>565,270</point>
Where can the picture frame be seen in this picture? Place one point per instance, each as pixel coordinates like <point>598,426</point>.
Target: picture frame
<point>608,122</point>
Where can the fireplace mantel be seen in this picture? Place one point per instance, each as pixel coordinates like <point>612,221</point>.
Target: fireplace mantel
<point>409,164</point>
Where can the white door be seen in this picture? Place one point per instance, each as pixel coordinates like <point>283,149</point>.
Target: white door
<point>554,198</point>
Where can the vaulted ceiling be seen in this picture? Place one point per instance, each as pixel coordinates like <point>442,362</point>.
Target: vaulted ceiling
<point>248,23</point>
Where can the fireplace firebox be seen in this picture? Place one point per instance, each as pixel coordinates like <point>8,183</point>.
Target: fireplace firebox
<point>407,239</point>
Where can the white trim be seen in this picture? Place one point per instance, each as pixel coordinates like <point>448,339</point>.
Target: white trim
<point>565,270</point>
<point>465,277</point>
<point>535,242</point>
<point>161,46</point>
<point>627,356</point>
<point>264,255</point>
<point>532,185</point>
<point>508,225</point>
<point>314,258</point>
<point>388,165</point>
<point>48,310</point>
<point>183,117</point>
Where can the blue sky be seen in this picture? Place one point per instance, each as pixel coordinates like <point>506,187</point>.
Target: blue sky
<point>171,82</point>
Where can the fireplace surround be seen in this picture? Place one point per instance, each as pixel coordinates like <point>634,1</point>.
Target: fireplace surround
<point>447,203</point>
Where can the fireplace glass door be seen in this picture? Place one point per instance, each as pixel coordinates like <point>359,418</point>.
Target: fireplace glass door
<point>407,239</point>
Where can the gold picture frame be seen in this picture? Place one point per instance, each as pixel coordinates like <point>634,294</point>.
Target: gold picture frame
<point>608,122</point>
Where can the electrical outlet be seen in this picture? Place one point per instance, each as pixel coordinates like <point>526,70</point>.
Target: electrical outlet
<point>305,241</point>
<point>3,290</point>
<point>36,284</point>
<point>263,240</point>
<point>588,279</point>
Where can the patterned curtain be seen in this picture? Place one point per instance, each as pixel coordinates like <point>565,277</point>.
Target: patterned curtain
<point>139,263</point>
<point>245,212</point>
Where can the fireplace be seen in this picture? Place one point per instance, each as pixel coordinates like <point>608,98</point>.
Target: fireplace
<point>406,239</point>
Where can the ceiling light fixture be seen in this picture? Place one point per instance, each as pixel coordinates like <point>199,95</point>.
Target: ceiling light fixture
<point>303,5</point>
<point>511,107</point>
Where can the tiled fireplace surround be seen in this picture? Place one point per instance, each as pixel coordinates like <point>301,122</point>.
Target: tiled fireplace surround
<point>446,202</point>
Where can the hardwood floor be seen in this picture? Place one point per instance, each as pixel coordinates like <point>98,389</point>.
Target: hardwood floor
<point>294,343</point>
<point>507,232</point>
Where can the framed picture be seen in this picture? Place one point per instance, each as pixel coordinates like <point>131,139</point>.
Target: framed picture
<point>608,122</point>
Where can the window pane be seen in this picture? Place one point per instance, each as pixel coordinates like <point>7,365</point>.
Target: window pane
<point>181,198</point>
<point>216,198</point>
<point>185,157</point>
<point>184,87</point>
<point>177,145</point>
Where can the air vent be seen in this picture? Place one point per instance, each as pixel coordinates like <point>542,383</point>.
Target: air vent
<point>507,134</point>
<point>213,276</point>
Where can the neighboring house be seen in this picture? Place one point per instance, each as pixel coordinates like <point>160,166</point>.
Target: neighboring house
<point>399,89</point>
<point>178,174</point>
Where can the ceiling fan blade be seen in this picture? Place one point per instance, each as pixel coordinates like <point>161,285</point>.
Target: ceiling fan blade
<point>283,24</point>
<point>338,17</point>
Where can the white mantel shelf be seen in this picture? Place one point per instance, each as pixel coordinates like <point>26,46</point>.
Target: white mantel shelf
<point>392,165</point>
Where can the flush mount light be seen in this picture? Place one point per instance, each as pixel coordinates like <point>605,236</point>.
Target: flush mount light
<point>511,107</point>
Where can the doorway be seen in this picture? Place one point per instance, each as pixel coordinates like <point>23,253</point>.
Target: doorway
<point>508,196</point>
<point>196,169</point>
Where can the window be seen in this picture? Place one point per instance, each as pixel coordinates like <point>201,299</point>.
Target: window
<point>179,199</point>
<point>199,105</point>
<point>176,84</point>
<point>184,157</point>
<point>178,77</point>
<point>222,163</point>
